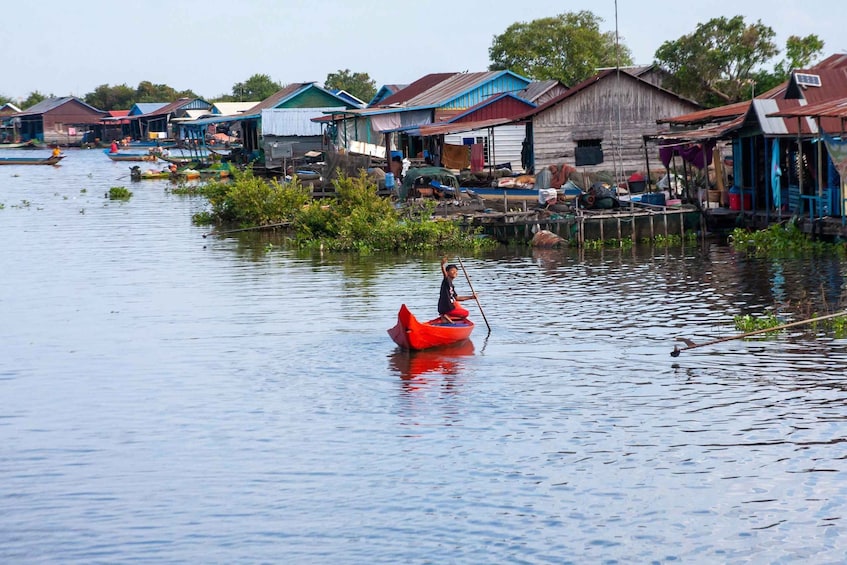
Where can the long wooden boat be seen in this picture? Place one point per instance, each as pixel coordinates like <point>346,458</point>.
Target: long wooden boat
<point>409,333</point>
<point>129,156</point>
<point>22,145</point>
<point>52,160</point>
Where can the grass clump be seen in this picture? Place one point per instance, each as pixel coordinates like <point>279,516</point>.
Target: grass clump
<point>119,193</point>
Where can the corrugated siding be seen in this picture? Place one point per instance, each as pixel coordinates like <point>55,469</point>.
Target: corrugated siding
<point>617,117</point>
<point>504,108</point>
<point>505,147</point>
<point>505,83</point>
<point>293,121</point>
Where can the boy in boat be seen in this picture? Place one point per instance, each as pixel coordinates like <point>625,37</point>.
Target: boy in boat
<point>448,301</point>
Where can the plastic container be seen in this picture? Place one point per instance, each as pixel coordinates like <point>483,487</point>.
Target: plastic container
<point>654,198</point>
<point>389,180</point>
<point>735,197</point>
<point>636,186</point>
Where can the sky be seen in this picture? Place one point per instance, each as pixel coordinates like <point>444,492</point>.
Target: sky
<point>70,48</point>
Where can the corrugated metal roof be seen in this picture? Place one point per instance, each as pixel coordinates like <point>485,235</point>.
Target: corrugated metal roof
<point>174,106</point>
<point>278,97</point>
<point>537,88</point>
<point>232,108</point>
<point>830,109</point>
<point>445,129</point>
<point>500,106</point>
<point>464,83</point>
<point>419,86</point>
<point>52,103</point>
<point>722,113</point>
<point>141,108</point>
<point>713,131</point>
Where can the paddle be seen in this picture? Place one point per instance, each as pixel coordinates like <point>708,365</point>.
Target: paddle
<point>474,294</point>
<point>691,345</point>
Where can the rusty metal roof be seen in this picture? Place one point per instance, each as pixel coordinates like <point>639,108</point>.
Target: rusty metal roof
<point>714,131</point>
<point>458,127</point>
<point>729,112</point>
<point>402,96</point>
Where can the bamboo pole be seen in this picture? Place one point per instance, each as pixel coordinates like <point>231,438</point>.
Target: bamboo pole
<point>691,345</point>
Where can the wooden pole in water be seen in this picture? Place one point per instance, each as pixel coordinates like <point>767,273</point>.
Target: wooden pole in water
<point>691,345</point>
<point>481,311</point>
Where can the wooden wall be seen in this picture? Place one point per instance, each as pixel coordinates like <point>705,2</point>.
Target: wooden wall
<point>616,110</point>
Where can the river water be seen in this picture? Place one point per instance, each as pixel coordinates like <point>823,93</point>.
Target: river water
<point>171,398</point>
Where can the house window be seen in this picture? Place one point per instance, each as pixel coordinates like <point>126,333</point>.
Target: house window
<point>588,152</point>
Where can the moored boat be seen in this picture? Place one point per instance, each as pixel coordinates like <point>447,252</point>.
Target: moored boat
<point>52,160</point>
<point>21,145</point>
<point>409,333</point>
<point>129,156</point>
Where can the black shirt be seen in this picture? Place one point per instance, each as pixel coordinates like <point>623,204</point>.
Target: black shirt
<point>448,294</point>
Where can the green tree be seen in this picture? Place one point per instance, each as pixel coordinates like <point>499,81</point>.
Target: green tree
<point>105,97</point>
<point>34,98</point>
<point>256,88</point>
<point>149,92</point>
<point>5,100</point>
<point>568,47</point>
<point>717,63</point>
<point>359,85</point>
<point>800,53</point>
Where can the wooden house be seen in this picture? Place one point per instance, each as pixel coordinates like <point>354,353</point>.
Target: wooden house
<point>166,121</point>
<point>58,120</point>
<point>281,125</point>
<point>599,124</point>
<point>8,124</point>
<point>399,122</point>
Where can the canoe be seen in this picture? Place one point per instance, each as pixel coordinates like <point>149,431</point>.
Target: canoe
<point>31,160</point>
<point>129,156</point>
<point>22,145</point>
<point>409,333</point>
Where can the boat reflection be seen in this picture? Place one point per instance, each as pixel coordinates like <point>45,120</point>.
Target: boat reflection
<point>416,365</point>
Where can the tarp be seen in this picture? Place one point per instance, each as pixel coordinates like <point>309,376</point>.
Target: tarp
<point>837,149</point>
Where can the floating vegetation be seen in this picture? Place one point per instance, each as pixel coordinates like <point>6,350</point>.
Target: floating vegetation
<point>594,244</point>
<point>119,193</point>
<point>83,190</point>
<point>356,218</point>
<point>779,240</point>
<point>748,323</point>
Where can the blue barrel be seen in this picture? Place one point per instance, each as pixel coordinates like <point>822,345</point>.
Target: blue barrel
<point>389,180</point>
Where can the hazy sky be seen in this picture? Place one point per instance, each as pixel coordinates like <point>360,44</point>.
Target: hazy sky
<point>71,47</point>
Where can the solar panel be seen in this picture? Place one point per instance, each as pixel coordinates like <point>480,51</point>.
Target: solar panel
<point>805,79</point>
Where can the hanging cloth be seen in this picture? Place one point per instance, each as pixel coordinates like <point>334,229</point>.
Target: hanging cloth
<point>477,158</point>
<point>776,175</point>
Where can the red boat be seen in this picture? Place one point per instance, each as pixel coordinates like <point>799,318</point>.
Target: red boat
<point>409,333</point>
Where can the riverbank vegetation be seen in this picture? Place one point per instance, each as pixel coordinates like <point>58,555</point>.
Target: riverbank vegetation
<point>780,240</point>
<point>355,219</point>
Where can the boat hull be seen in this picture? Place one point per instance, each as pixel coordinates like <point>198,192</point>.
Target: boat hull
<point>130,156</point>
<point>411,334</point>
<point>30,160</point>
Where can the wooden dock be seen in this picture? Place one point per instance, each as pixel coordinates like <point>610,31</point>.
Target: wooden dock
<point>636,223</point>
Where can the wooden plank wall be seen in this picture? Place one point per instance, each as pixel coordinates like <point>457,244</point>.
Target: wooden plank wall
<point>609,110</point>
